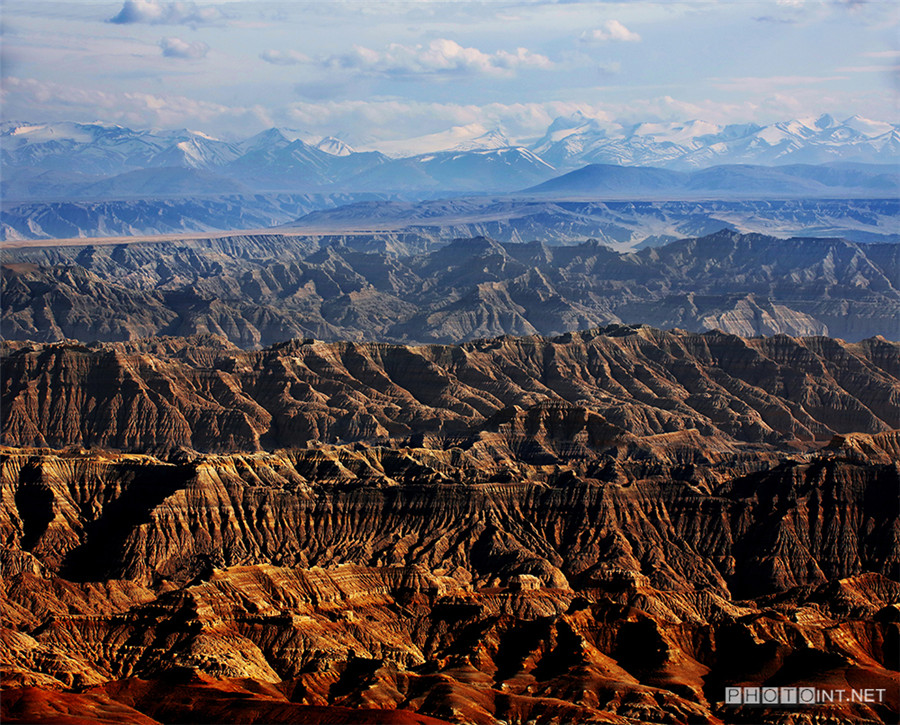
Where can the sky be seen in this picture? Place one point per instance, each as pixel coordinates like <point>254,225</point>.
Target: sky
<point>371,72</point>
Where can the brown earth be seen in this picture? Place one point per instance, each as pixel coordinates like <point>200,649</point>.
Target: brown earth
<point>610,526</point>
<point>534,399</point>
<point>377,584</point>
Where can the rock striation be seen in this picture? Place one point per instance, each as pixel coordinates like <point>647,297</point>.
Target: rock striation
<point>418,585</point>
<point>608,526</point>
<point>533,398</point>
<point>143,520</point>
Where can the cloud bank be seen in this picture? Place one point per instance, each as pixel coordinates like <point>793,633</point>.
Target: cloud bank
<point>165,13</point>
<point>611,30</point>
<point>437,57</point>
<point>178,48</point>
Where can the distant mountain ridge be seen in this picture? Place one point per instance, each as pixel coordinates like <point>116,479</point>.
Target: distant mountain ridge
<point>67,159</point>
<point>578,140</point>
<point>743,180</point>
<point>622,224</point>
<point>262,289</point>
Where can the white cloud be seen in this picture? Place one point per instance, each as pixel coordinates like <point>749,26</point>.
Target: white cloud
<point>166,13</point>
<point>367,123</point>
<point>284,57</point>
<point>178,48</point>
<point>438,57</point>
<point>611,30</point>
<point>34,99</point>
<point>394,120</point>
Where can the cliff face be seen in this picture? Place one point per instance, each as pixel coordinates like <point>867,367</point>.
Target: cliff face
<point>533,397</point>
<point>376,584</point>
<point>143,520</point>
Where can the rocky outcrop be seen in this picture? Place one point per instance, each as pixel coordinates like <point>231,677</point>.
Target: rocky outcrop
<point>142,520</point>
<point>607,526</point>
<point>883,447</point>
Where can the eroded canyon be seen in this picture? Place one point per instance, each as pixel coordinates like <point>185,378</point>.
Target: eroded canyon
<point>606,526</point>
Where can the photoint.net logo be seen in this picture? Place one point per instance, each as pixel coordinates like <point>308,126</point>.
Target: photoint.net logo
<point>799,696</point>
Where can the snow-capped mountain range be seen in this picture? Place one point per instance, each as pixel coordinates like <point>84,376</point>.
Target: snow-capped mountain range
<point>578,140</point>
<point>66,159</point>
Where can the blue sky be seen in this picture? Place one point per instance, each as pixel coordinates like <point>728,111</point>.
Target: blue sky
<point>371,72</point>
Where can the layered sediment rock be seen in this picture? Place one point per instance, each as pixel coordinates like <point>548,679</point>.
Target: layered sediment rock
<point>142,520</point>
<point>540,397</point>
<point>379,584</point>
<point>610,526</point>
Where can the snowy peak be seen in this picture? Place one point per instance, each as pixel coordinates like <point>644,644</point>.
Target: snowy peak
<point>431,143</point>
<point>271,138</point>
<point>826,120</point>
<point>493,139</point>
<point>572,135</point>
<point>199,135</point>
<point>738,130</point>
<point>568,123</point>
<point>575,141</point>
<point>868,128</point>
<point>334,146</point>
<point>43,158</point>
<point>198,151</point>
<point>678,133</point>
<point>16,134</point>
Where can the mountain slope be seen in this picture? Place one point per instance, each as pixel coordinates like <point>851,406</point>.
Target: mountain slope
<point>261,289</point>
<point>503,169</point>
<point>744,181</point>
<point>603,387</point>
